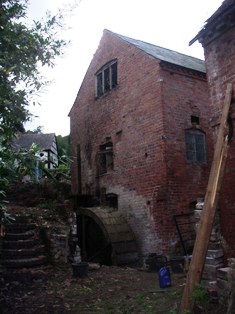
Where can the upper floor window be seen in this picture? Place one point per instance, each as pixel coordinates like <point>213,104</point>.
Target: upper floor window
<point>106,78</point>
<point>195,146</point>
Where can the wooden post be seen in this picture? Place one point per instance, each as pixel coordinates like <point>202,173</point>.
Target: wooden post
<point>209,209</point>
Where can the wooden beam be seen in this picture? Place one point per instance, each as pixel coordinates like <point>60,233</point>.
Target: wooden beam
<point>209,209</point>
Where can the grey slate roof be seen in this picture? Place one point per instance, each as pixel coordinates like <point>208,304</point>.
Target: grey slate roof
<point>44,141</point>
<point>167,55</point>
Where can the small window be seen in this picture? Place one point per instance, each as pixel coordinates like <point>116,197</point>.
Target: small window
<point>106,78</point>
<point>112,200</point>
<point>106,158</point>
<point>195,120</point>
<point>195,146</point>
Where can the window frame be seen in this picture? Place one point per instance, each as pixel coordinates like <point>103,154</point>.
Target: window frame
<point>195,146</point>
<point>106,78</point>
<point>105,154</point>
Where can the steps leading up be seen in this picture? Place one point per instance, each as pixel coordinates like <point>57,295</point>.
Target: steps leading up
<point>22,246</point>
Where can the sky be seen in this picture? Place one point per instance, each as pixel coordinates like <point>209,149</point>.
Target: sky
<point>167,23</point>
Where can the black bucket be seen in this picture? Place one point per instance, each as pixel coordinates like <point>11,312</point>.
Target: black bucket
<point>80,270</point>
<point>177,264</point>
<point>154,262</point>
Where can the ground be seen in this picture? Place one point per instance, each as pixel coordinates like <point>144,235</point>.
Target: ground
<point>106,290</point>
<point>109,289</point>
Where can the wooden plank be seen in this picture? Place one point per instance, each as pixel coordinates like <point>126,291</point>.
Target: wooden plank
<point>209,209</point>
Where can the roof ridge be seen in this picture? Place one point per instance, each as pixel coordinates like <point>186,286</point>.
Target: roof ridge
<point>165,54</point>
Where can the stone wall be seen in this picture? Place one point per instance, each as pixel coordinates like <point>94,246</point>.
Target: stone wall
<point>226,286</point>
<point>59,243</point>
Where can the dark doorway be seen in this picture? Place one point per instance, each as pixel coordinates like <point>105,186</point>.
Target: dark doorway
<point>95,247</point>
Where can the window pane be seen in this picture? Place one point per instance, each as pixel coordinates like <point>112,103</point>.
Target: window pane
<point>114,74</point>
<point>106,80</point>
<point>195,146</point>
<point>105,158</point>
<point>109,161</point>
<point>191,156</point>
<point>201,157</point>
<point>99,82</point>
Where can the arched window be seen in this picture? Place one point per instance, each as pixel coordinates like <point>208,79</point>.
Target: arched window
<point>195,146</point>
<point>106,78</point>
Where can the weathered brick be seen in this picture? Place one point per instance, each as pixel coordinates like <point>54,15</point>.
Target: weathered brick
<point>220,61</point>
<point>145,116</point>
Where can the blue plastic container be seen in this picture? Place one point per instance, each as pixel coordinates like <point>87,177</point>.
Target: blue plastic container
<point>164,277</point>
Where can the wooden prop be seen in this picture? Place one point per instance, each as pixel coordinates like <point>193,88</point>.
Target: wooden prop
<point>208,213</point>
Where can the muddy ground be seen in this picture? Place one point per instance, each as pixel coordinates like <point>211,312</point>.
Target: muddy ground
<point>108,290</point>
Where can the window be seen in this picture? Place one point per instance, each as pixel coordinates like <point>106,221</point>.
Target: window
<point>112,200</point>
<point>106,78</point>
<point>195,120</point>
<point>106,158</point>
<point>195,146</point>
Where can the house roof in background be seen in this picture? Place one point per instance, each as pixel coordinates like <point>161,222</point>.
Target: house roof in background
<point>165,54</point>
<point>25,141</point>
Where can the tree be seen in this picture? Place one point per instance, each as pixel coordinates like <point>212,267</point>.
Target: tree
<point>38,130</point>
<point>24,50</point>
<point>63,145</point>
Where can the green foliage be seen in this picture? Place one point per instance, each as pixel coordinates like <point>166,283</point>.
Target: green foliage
<point>24,50</point>
<point>5,217</point>
<point>38,130</point>
<point>63,146</point>
<point>201,297</point>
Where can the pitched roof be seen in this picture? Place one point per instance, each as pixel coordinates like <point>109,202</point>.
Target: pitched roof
<point>44,141</point>
<point>166,55</point>
<point>210,24</point>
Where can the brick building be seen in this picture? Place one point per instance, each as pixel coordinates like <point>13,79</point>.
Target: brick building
<point>218,40</point>
<point>140,136</point>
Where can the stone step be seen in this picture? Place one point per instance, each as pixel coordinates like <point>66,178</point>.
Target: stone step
<point>19,236</point>
<point>210,271</point>
<point>25,274</point>
<point>25,263</point>
<point>19,227</point>
<point>22,253</point>
<point>20,244</point>
<point>215,253</point>
<point>21,219</point>
<point>214,261</point>
<point>224,273</point>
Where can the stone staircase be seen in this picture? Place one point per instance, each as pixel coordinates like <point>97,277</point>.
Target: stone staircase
<point>22,246</point>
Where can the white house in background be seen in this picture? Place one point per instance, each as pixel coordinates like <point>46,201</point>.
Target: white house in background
<point>47,143</point>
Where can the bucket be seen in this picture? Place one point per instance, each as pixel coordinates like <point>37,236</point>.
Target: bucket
<point>177,264</point>
<point>164,277</point>
<point>154,262</point>
<point>80,270</point>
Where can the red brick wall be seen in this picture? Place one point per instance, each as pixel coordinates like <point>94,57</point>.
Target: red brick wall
<point>150,168</point>
<point>184,96</point>
<point>220,63</point>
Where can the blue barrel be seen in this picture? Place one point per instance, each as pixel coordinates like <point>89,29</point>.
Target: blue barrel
<point>164,277</point>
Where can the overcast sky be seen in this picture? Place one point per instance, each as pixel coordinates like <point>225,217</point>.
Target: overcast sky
<point>167,23</point>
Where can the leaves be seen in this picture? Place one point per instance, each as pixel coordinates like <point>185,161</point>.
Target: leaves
<point>23,51</point>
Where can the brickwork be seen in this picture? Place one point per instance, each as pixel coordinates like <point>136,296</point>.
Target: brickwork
<point>145,117</point>
<point>220,62</point>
